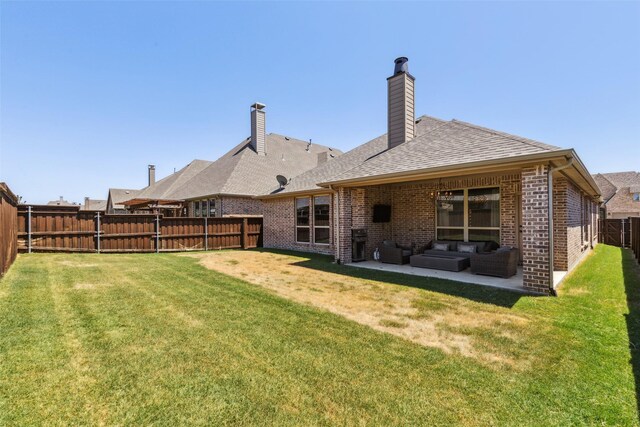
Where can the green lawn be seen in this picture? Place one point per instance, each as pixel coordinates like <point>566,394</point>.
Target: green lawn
<point>159,339</point>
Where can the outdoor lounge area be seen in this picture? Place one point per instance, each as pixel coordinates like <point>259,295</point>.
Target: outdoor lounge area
<point>513,283</point>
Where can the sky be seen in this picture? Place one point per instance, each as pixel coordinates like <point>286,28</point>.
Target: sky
<point>92,92</point>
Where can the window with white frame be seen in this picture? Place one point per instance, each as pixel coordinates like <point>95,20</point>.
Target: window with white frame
<point>471,215</point>
<point>321,220</point>
<point>303,225</point>
<point>196,208</point>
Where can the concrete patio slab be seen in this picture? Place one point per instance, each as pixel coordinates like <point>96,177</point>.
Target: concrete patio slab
<point>512,283</point>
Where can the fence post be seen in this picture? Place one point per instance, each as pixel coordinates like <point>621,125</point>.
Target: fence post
<point>206,234</point>
<point>157,233</point>
<point>98,231</point>
<point>245,233</point>
<point>29,228</point>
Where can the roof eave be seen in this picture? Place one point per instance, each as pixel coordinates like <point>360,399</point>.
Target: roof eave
<point>297,193</point>
<point>470,168</point>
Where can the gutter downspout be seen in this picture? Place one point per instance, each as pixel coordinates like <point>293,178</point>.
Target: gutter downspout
<point>552,289</point>
<point>337,225</point>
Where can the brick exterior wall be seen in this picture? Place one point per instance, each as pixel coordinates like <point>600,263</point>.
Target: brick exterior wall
<point>414,217</point>
<point>560,188</point>
<point>575,212</point>
<point>535,232</point>
<point>413,210</point>
<point>572,208</point>
<point>279,227</point>
<point>239,206</point>
<point>344,226</point>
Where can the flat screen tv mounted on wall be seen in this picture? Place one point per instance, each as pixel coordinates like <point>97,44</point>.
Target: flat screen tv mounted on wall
<point>381,213</point>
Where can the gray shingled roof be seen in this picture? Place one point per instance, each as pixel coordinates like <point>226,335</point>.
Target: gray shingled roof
<point>166,188</point>
<point>242,171</point>
<point>450,144</point>
<point>94,205</point>
<point>61,202</point>
<point>617,191</point>
<point>606,187</point>
<point>120,195</point>
<point>308,181</point>
<point>623,179</point>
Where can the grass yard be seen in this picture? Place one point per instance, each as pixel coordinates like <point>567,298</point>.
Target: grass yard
<point>293,339</point>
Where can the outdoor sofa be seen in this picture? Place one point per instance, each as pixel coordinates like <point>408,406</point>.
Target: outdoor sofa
<point>392,253</point>
<point>502,263</point>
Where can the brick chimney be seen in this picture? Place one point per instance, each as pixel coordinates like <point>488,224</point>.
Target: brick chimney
<point>400,108</point>
<point>152,174</point>
<point>258,126</point>
<point>86,203</point>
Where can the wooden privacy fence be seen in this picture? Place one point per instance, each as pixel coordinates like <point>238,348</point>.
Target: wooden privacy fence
<point>615,232</point>
<point>635,236</point>
<point>67,229</point>
<point>8,228</point>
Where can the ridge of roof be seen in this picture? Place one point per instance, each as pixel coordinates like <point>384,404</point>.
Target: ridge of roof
<point>529,141</point>
<point>242,171</point>
<point>454,143</point>
<point>353,158</point>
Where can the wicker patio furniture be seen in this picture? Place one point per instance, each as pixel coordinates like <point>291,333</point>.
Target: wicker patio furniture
<point>438,262</point>
<point>392,253</point>
<point>502,263</point>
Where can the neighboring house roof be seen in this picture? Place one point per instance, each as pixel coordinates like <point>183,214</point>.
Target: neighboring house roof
<point>451,144</point>
<point>120,195</point>
<point>308,181</point>
<point>622,202</point>
<point>61,202</point>
<point>166,188</point>
<point>94,205</point>
<point>618,189</point>
<point>623,179</point>
<point>243,172</point>
<point>606,187</point>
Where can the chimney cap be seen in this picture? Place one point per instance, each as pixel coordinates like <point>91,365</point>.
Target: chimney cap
<point>401,67</point>
<point>258,106</point>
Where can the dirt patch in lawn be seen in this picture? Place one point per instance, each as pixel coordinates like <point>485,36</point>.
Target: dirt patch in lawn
<point>67,263</point>
<point>90,286</point>
<point>424,317</point>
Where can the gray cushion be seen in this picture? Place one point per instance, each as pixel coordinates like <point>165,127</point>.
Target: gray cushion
<point>389,243</point>
<point>406,252</point>
<point>504,249</point>
<point>440,246</point>
<point>467,248</point>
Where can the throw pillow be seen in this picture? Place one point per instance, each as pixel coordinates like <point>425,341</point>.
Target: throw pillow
<point>468,249</point>
<point>440,246</point>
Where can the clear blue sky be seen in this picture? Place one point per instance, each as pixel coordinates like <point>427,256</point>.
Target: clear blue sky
<point>92,92</point>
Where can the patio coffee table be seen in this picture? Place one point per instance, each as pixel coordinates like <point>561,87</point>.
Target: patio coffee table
<point>439,262</point>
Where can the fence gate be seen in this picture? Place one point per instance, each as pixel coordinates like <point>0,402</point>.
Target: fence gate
<point>615,232</point>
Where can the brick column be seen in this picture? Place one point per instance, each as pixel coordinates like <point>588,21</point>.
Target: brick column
<point>344,226</point>
<point>535,232</point>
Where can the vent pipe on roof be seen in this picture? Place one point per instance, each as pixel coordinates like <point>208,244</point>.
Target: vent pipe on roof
<point>152,174</point>
<point>400,107</point>
<point>258,128</point>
